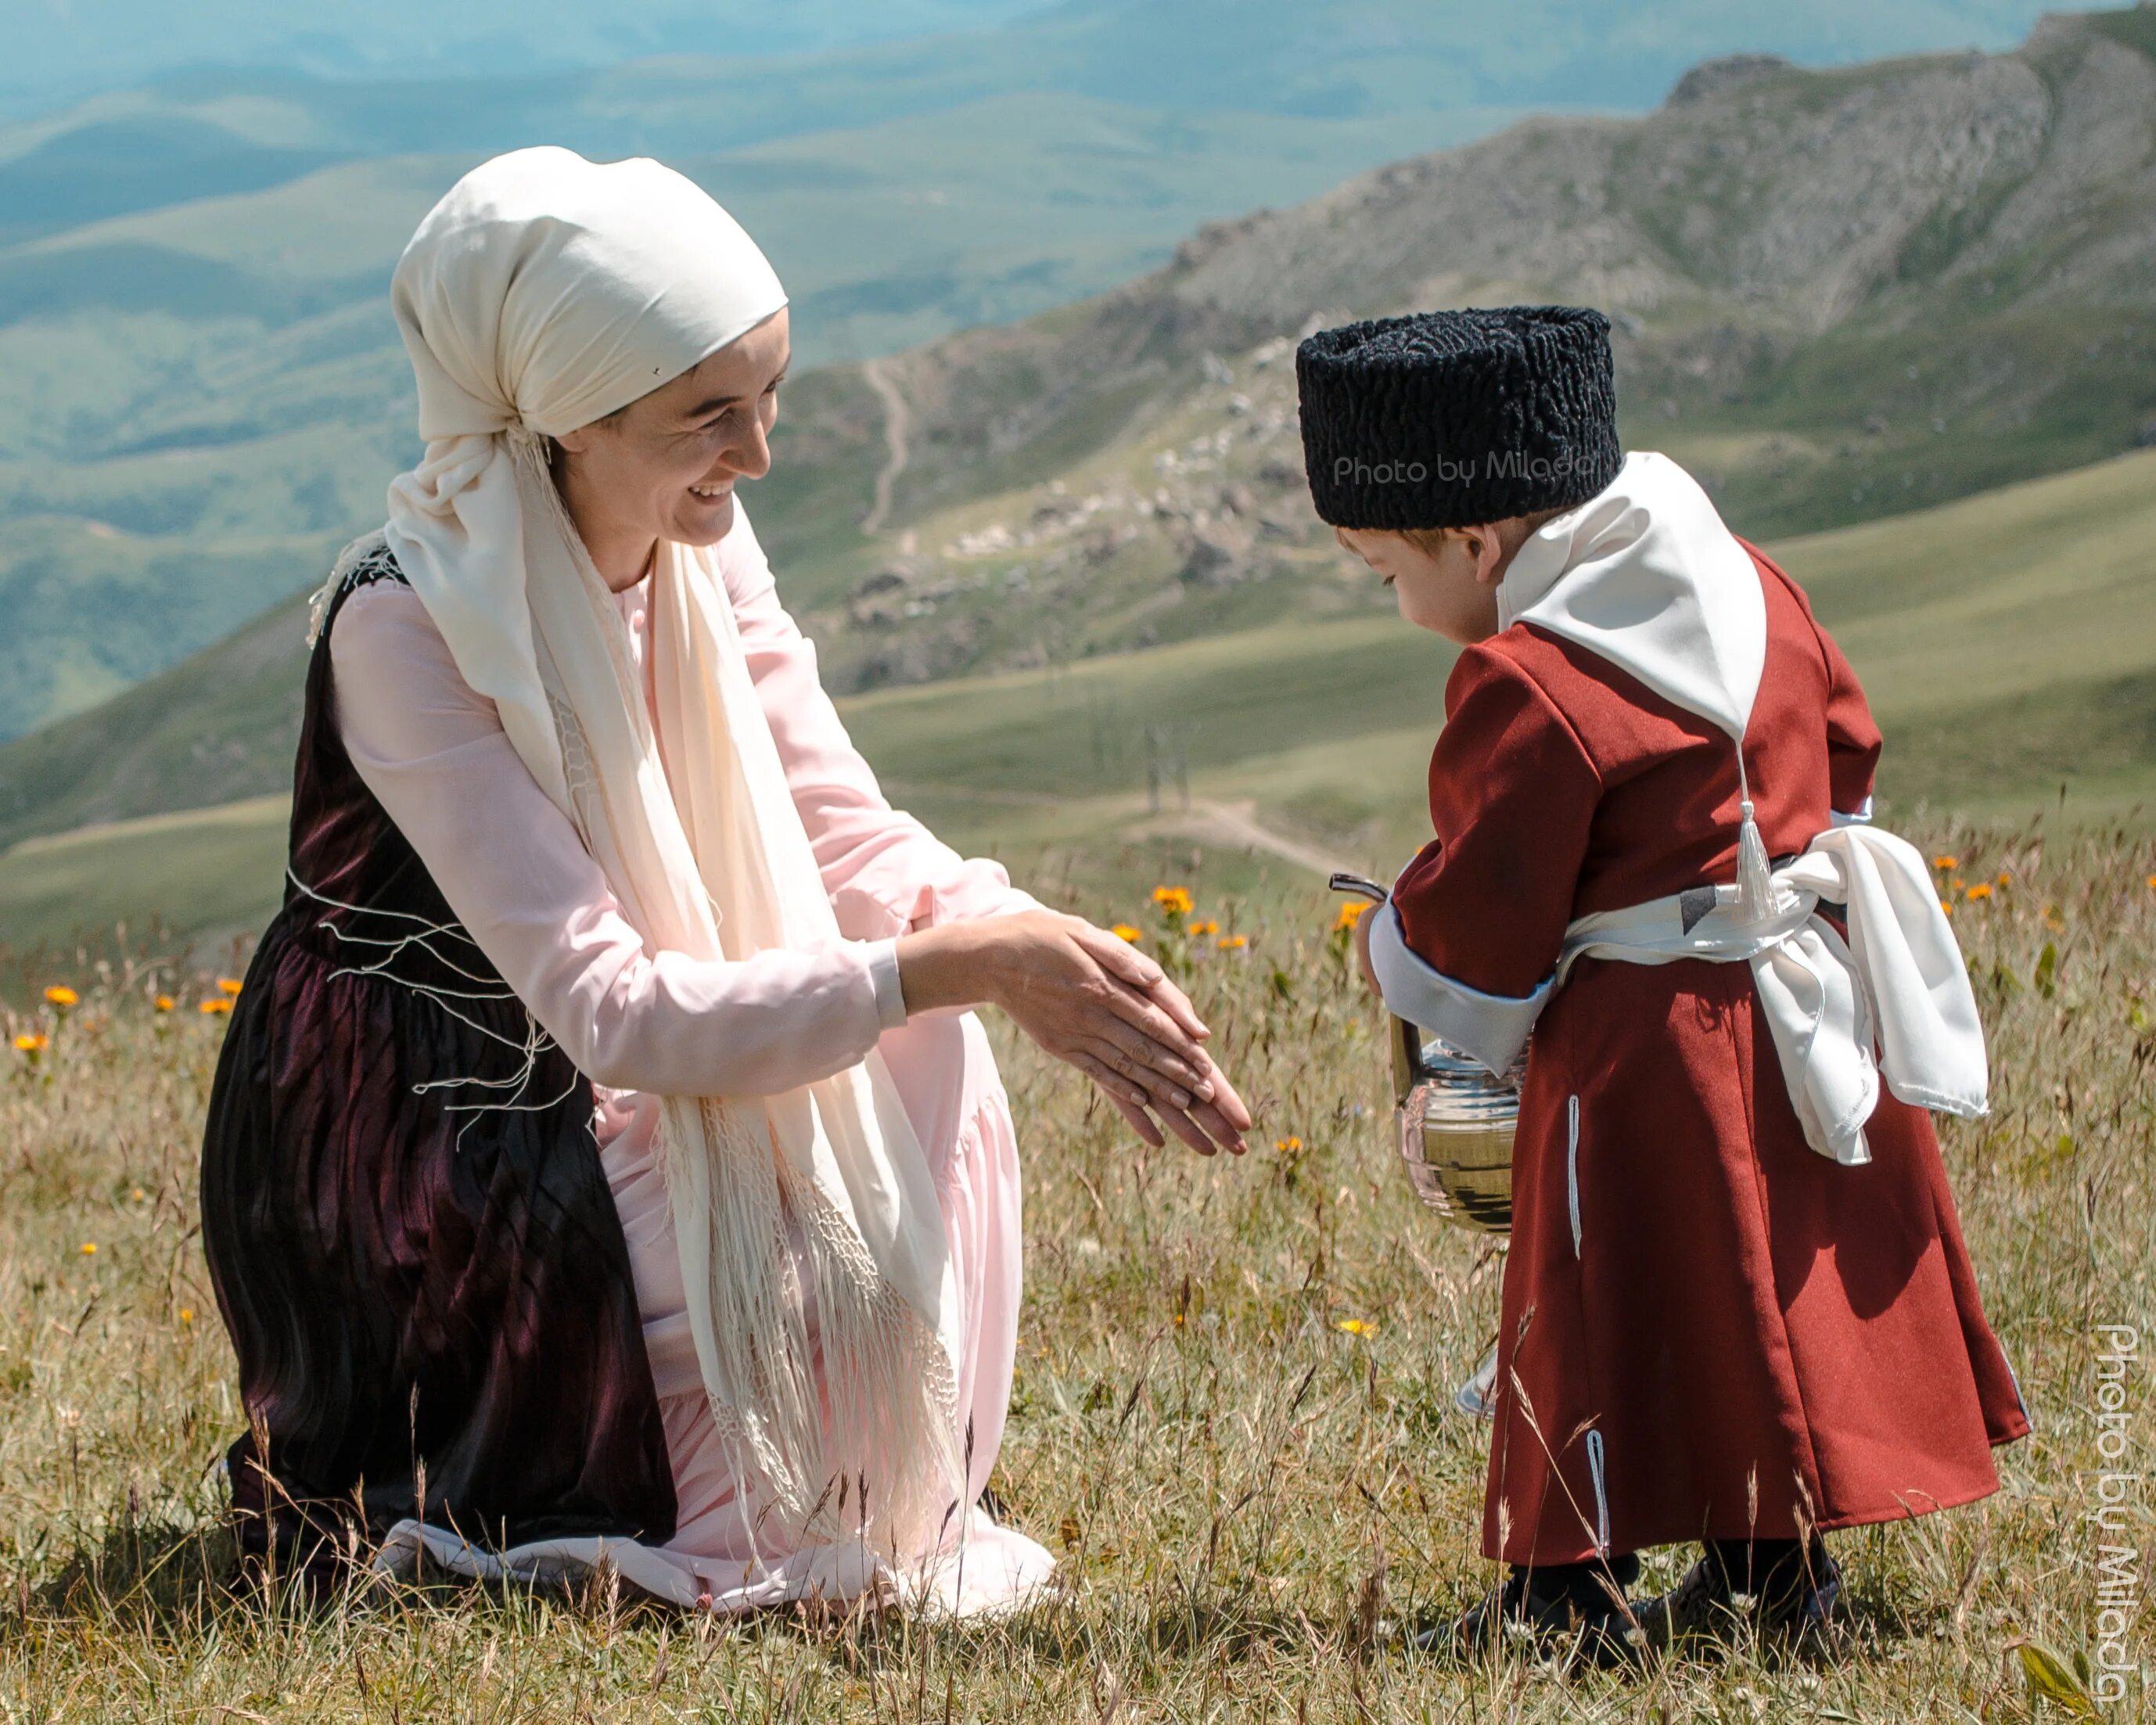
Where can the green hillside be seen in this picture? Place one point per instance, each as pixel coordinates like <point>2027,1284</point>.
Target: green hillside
<point>2006,641</point>
<point>1838,296</point>
<point>1841,294</point>
<point>186,391</point>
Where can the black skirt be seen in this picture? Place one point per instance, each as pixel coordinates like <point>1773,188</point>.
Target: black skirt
<point>407,1227</point>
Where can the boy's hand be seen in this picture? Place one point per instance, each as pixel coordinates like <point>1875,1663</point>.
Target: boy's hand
<point>1362,950</point>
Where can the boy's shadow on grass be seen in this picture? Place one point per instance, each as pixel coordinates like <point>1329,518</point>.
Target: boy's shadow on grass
<point>1058,1633</point>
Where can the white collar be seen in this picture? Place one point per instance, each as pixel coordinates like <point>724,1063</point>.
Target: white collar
<point>1645,574</point>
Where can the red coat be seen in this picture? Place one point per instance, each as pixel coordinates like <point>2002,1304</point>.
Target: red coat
<point>1742,1319</point>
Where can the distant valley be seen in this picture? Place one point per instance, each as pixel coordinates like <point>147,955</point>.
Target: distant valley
<point>201,393</point>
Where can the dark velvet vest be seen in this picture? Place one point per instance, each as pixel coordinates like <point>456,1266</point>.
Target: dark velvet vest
<point>407,1224</point>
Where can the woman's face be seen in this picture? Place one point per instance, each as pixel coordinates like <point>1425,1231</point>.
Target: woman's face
<point>665,467</point>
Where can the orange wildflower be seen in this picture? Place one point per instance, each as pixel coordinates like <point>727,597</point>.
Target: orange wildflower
<point>227,985</point>
<point>90,1249</point>
<point>215,1006</point>
<point>1175,899</point>
<point>1124,931</point>
<point>1946,862</point>
<point>1981,889</point>
<point>165,1002</point>
<point>33,1042</point>
<point>1209,927</point>
<point>1233,943</point>
<point>1947,904</point>
<point>62,995</point>
<point>1351,913</point>
<point>1291,1144</point>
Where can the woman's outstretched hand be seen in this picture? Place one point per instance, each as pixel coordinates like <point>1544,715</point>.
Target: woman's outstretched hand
<point>1090,998</point>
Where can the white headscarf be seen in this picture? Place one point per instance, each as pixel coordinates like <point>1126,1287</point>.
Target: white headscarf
<point>542,293</point>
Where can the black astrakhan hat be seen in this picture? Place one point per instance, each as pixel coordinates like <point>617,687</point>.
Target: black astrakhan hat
<point>1452,419</point>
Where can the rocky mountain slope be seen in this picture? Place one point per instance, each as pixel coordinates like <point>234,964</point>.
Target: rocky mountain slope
<point>1839,297</point>
<point>194,338</point>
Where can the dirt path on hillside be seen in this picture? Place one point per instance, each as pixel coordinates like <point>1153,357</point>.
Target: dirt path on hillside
<point>1237,824</point>
<point>1213,822</point>
<point>895,425</point>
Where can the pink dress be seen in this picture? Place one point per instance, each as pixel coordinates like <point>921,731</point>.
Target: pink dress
<point>641,1024</point>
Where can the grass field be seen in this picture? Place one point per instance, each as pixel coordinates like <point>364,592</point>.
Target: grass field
<point>1252,1503</point>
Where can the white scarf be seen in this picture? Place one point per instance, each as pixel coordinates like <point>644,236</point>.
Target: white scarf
<point>1654,582</point>
<point>544,292</point>
<point>1645,575</point>
<point>1897,981</point>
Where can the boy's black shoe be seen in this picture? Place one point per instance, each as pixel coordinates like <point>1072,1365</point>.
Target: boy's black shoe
<point>1563,1611</point>
<point>1777,1591</point>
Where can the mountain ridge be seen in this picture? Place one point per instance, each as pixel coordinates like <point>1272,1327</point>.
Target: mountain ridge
<point>1838,295</point>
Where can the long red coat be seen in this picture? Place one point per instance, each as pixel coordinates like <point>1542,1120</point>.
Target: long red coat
<point>1744,1331</point>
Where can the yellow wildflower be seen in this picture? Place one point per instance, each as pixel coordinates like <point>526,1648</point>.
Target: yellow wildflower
<point>1233,943</point>
<point>31,1042</point>
<point>165,1002</point>
<point>227,985</point>
<point>1290,1144</point>
<point>1947,904</point>
<point>215,1006</point>
<point>2004,877</point>
<point>1123,931</point>
<point>1175,899</point>
<point>1356,1327</point>
<point>1946,862</point>
<point>1351,913</point>
<point>62,995</point>
<point>186,1314</point>
<point>90,1249</point>
<point>1981,889</point>
<point>1208,926</point>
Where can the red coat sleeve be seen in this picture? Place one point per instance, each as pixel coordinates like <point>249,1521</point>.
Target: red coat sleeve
<point>1853,741</point>
<point>1513,793</point>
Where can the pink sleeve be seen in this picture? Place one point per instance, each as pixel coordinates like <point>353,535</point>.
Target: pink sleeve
<point>884,871</point>
<point>520,880</point>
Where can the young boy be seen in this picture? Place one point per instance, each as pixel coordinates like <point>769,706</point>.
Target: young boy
<point>1737,1307</point>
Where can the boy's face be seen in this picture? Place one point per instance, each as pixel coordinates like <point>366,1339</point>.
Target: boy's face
<point>1444,582</point>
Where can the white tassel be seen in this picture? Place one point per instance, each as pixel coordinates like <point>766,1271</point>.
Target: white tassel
<point>1755,877</point>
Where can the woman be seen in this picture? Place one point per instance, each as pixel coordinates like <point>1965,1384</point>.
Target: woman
<point>601,1160</point>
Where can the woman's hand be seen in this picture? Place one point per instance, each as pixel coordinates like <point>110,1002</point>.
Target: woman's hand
<point>1092,1000</point>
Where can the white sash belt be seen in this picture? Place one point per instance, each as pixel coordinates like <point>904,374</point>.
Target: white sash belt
<point>1899,980</point>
